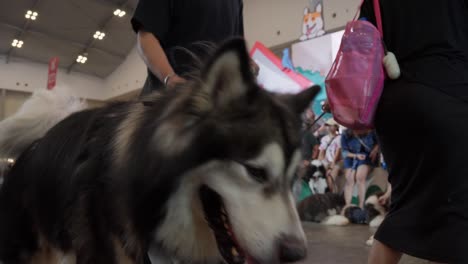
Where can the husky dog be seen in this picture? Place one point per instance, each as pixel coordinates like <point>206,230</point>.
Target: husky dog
<point>201,173</point>
<point>330,209</point>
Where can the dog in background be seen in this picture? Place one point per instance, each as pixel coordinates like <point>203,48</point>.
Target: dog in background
<point>191,173</point>
<point>315,175</point>
<point>330,209</point>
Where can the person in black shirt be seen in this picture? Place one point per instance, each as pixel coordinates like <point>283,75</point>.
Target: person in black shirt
<point>167,29</point>
<point>422,125</point>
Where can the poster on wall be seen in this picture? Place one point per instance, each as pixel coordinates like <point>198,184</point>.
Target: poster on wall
<point>52,73</point>
<point>273,76</point>
<point>314,58</point>
<point>312,21</point>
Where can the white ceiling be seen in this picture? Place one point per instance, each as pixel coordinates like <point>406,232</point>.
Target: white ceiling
<point>65,28</point>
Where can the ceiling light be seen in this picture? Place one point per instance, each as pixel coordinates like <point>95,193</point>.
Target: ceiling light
<point>81,59</point>
<point>119,13</point>
<point>99,35</point>
<point>31,15</point>
<point>17,43</point>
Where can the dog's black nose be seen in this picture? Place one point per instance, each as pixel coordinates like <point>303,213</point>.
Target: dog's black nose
<point>291,249</point>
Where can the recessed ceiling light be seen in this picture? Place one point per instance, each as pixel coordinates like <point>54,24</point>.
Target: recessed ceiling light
<point>81,59</point>
<point>99,35</point>
<point>31,15</point>
<point>119,13</point>
<point>17,43</point>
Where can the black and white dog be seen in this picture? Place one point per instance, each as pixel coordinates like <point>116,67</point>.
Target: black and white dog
<point>201,173</point>
<point>331,209</point>
<point>316,176</point>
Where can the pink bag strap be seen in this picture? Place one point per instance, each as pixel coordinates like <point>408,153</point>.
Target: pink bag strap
<point>378,16</point>
<point>377,13</point>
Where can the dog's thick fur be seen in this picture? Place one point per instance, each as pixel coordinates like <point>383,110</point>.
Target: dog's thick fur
<point>36,116</point>
<point>107,185</point>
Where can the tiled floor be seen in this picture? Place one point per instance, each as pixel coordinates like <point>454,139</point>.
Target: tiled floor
<point>341,245</point>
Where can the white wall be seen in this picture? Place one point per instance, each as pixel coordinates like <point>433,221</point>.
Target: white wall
<point>26,76</point>
<point>13,100</point>
<point>129,76</point>
<point>264,18</point>
<point>344,10</point>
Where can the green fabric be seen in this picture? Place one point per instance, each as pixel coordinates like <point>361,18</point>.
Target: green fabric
<point>373,189</point>
<point>305,192</point>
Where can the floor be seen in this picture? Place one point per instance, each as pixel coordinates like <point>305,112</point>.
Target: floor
<point>341,245</point>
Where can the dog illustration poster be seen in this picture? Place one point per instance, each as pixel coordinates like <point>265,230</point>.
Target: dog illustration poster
<point>312,23</point>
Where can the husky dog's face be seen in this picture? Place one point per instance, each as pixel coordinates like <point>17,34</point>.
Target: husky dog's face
<point>236,203</point>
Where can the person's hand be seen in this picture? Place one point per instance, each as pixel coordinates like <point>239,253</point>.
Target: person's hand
<point>383,200</point>
<point>254,68</point>
<point>326,107</point>
<point>174,81</point>
<point>361,156</point>
<point>374,154</point>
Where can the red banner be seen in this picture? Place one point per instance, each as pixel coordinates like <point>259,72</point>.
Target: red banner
<point>52,75</point>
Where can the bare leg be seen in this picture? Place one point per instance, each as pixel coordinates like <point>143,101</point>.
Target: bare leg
<point>330,181</point>
<point>381,254</point>
<point>361,176</point>
<point>350,173</point>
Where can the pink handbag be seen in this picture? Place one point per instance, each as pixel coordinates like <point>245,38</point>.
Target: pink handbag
<point>355,82</point>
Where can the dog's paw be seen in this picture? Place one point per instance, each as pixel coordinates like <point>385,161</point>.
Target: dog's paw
<point>377,221</point>
<point>336,220</point>
<point>370,241</point>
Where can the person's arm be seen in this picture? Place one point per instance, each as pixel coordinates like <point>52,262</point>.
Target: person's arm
<point>384,199</point>
<point>374,154</point>
<point>337,156</point>
<point>241,19</point>
<point>152,22</point>
<point>152,53</point>
<point>323,148</point>
<point>346,150</point>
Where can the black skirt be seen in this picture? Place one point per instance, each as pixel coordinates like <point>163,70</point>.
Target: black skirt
<point>424,137</point>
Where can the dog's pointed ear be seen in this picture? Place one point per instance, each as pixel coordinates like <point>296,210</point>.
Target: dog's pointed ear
<point>228,75</point>
<point>298,103</point>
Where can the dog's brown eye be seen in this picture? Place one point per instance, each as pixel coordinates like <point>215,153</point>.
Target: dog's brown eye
<point>258,174</point>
